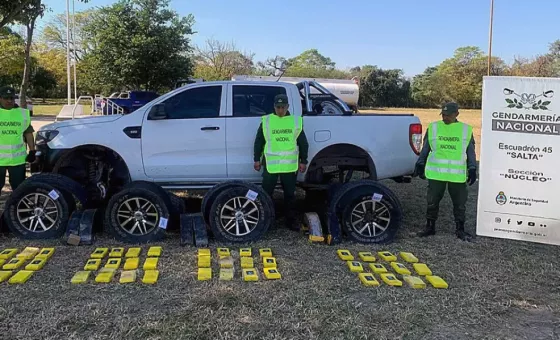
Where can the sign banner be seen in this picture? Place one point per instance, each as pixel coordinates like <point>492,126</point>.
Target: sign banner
<point>519,187</point>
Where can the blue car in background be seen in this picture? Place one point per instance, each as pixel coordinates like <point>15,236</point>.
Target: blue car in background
<point>129,101</point>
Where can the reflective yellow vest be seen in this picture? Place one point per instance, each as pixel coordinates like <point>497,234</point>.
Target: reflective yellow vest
<point>447,160</point>
<point>280,150</point>
<point>12,125</point>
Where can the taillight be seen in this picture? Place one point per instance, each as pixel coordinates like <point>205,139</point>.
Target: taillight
<point>415,137</point>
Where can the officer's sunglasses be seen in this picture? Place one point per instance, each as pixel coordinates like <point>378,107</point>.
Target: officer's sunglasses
<point>280,106</point>
<point>8,97</point>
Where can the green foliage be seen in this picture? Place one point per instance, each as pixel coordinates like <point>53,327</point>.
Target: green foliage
<point>12,56</point>
<point>382,88</point>
<point>312,64</point>
<point>458,79</point>
<point>137,44</point>
<point>43,82</point>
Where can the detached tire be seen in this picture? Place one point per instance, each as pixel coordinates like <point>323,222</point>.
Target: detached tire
<point>30,213</point>
<point>235,218</point>
<point>215,191</point>
<point>134,215</point>
<point>369,212</point>
<point>178,204</point>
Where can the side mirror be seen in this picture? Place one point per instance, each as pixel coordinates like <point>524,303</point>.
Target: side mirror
<point>157,112</point>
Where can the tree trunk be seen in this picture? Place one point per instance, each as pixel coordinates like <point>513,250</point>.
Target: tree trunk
<point>27,68</point>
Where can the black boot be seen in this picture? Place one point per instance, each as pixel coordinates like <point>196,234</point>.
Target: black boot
<point>461,233</point>
<point>430,229</point>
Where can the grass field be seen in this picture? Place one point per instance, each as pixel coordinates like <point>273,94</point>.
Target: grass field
<point>499,289</point>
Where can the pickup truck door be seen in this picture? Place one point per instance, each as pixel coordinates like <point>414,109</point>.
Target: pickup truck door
<point>247,104</point>
<point>190,143</point>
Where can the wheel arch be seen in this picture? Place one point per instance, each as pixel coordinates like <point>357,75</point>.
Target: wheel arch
<point>342,154</point>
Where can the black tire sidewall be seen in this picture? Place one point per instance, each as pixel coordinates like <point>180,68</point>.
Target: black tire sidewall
<point>354,196</point>
<point>114,228</point>
<point>265,216</point>
<point>10,213</point>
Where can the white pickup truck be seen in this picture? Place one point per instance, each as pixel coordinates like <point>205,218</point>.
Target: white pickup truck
<point>202,134</point>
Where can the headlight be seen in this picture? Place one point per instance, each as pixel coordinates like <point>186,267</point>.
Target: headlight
<point>43,137</point>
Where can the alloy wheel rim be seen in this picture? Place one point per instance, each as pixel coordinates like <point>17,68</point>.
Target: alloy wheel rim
<point>137,216</point>
<point>370,218</point>
<point>37,212</point>
<point>239,216</point>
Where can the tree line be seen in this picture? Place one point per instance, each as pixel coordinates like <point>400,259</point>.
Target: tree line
<point>144,45</point>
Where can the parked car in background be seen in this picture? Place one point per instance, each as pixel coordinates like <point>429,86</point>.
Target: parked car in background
<point>29,104</point>
<point>129,101</point>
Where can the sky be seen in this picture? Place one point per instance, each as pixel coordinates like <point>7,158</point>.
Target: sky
<point>405,34</point>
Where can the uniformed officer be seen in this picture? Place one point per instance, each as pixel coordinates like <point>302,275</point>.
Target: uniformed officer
<point>279,137</point>
<point>447,159</point>
<point>15,132</point>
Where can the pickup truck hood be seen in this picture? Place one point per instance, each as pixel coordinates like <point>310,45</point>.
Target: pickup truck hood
<point>81,121</point>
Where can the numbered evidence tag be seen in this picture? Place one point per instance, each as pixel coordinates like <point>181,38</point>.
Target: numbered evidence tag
<point>272,274</point>
<point>391,280</point>
<point>377,197</point>
<point>387,256</point>
<point>92,264</point>
<point>345,255</point>
<point>163,223</point>
<point>250,274</point>
<point>366,256</point>
<point>355,266</point>
<point>80,277</point>
<point>36,264</point>
<point>368,279</point>
<point>377,268</point>
<point>99,253</point>
<point>21,277</point>
<point>399,268</point>
<point>251,195</point>
<point>54,195</point>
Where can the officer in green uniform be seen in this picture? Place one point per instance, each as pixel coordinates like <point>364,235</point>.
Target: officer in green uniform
<point>15,132</point>
<point>447,159</point>
<point>279,137</point>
